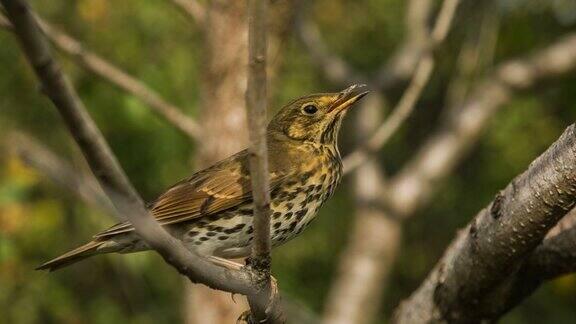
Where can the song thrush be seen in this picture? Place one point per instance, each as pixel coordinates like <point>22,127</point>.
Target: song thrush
<point>211,211</point>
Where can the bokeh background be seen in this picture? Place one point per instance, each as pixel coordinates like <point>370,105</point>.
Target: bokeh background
<point>155,42</point>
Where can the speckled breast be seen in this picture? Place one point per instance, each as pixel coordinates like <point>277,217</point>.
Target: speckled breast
<point>294,205</point>
<point>298,202</point>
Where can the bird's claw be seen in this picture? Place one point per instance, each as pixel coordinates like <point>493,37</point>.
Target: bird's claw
<point>274,295</point>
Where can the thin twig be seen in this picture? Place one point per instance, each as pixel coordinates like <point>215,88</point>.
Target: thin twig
<point>408,101</point>
<point>443,149</point>
<point>335,68</point>
<point>105,166</point>
<point>256,104</point>
<point>402,63</point>
<point>40,158</point>
<point>396,119</point>
<point>117,77</point>
<point>365,263</point>
<point>412,187</point>
<point>475,56</point>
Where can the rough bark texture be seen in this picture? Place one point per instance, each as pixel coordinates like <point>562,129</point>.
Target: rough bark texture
<point>468,284</point>
<point>554,257</point>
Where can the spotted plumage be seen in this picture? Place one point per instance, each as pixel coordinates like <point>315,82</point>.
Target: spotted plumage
<point>211,211</point>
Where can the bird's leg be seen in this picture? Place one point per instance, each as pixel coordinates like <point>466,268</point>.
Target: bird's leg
<point>274,290</point>
<point>228,264</point>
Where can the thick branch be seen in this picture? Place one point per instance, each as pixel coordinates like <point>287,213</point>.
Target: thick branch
<point>553,258</point>
<point>106,168</point>
<point>256,104</point>
<point>115,76</point>
<point>556,256</point>
<point>465,285</point>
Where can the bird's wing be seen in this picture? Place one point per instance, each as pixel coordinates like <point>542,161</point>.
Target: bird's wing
<point>208,192</point>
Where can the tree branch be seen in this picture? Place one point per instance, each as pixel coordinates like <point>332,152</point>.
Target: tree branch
<point>105,166</point>
<point>406,105</point>
<point>335,68</point>
<point>60,172</point>
<point>411,187</point>
<point>115,76</point>
<point>556,256</point>
<point>365,263</point>
<point>404,60</point>
<point>463,285</point>
<point>256,104</point>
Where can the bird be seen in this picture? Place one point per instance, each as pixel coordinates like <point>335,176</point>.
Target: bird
<point>211,211</point>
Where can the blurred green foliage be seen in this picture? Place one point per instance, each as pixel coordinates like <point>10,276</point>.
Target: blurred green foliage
<point>157,44</point>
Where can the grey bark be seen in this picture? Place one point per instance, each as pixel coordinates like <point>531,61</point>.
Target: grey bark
<point>474,280</point>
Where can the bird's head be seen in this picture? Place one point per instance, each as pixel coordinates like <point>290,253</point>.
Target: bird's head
<point>317,117</point>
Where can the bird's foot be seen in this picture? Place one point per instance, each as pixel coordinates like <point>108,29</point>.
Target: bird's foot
<point>228,264</point>
<point>274,296</point>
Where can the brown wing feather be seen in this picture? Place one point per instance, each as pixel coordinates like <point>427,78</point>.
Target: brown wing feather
<point>220,187</point>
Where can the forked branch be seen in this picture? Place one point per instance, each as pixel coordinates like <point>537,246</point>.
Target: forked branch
<point>116,76</point>
<point>105,166</point>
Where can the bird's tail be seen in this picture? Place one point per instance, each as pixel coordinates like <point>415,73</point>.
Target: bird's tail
<point>80,253</point>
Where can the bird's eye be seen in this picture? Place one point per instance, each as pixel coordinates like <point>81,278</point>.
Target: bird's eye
<point>310,109</point>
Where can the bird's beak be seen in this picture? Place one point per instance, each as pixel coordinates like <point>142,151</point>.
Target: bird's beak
<point>348,97</point>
